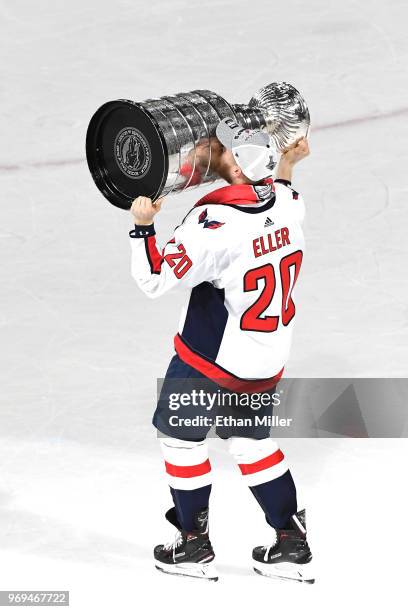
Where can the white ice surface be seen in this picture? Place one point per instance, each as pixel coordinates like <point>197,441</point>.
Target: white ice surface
<point>81,493</point>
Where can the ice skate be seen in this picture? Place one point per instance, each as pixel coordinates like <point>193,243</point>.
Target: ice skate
<point>289,556</point>
<point>191,553</point>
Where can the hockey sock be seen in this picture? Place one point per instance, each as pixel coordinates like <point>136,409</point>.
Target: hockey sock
<point>188,471</point>
<point>265,471</point>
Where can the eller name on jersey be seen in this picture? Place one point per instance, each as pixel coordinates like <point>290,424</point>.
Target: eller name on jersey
<point>239,250</point>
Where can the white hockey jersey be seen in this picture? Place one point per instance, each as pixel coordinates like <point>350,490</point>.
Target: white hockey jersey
<point>239,250</point>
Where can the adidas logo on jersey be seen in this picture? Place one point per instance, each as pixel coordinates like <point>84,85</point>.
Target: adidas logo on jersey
<point>268,222</point>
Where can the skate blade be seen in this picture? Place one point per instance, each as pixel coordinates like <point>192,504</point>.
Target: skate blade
<point>285,571</point>
<point>204,571</point>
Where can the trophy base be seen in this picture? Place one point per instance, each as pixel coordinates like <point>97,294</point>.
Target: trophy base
<point>120,155</point>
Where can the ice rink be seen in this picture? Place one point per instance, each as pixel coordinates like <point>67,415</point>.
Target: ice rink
<point>81,488</point>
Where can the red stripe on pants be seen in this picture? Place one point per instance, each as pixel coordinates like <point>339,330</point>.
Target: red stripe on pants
<point>218,375</point>
<point>262,464</point>
<point>188,471</point>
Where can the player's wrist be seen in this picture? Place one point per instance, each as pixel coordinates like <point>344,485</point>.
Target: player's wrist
<point>284,171</point>
<point>143,222</point>
<point>286,163</point>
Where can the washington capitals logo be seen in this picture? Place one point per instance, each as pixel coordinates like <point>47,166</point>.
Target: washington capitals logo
<point>203,218</point>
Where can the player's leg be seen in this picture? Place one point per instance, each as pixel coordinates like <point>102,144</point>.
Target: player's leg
<point>261,461</point>
<point>265,471</point>
<point>188,470</point>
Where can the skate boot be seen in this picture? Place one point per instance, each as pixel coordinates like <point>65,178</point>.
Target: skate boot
<point>289,556</point>
<point>191,553</point>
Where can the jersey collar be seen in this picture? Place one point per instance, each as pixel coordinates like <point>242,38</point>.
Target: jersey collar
<point>241,195</point>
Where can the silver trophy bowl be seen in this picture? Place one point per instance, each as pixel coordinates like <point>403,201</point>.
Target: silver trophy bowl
<point>168,144</point>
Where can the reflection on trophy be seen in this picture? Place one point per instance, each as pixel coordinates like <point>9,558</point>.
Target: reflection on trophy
<point>166,145</point>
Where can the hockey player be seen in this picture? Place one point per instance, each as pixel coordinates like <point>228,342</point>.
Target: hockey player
<point>239,250</point>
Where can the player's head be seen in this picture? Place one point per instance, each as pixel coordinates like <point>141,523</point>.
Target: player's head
<point>243,155</point>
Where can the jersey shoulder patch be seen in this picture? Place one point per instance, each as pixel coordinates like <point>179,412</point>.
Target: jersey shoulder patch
<point>207,223</point>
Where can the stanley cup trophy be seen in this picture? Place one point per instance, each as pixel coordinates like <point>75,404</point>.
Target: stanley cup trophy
<point>165,145</point>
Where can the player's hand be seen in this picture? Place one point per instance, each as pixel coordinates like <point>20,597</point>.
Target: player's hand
<point>144,210</point>
<point>296,152</point>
